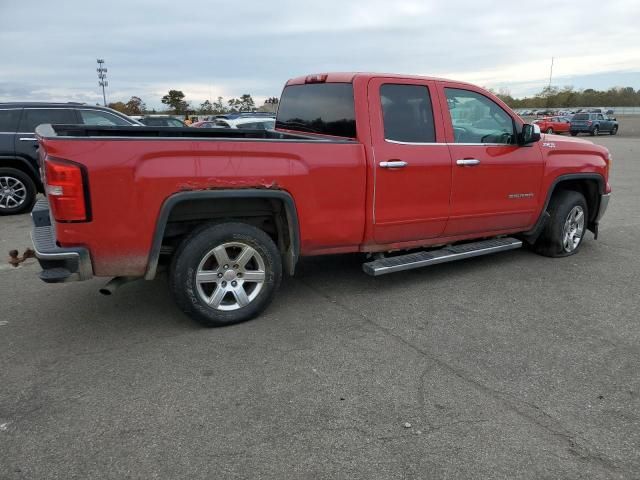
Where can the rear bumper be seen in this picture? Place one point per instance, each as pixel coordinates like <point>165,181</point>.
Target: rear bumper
<point>58,264</point>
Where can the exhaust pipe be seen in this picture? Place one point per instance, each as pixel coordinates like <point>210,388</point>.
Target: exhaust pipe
<point>112,285</point>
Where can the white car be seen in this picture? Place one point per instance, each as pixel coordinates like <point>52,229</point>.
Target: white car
<point>259,123</point>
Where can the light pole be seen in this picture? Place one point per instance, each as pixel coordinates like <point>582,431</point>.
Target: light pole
<point>102,78</point>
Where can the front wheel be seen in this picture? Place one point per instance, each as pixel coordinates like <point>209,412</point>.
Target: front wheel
<point>549,130</point>
<point>566,227</point>
<point>225,273</point>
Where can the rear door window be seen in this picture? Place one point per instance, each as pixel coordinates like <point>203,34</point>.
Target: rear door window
<point>32,117</point>
<point>9,120</point>
<point>407,113</point>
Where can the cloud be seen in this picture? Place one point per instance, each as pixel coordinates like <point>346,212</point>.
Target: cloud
<point>214,48</point>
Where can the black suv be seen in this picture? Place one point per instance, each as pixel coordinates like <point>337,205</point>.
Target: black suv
<point>19,172</point>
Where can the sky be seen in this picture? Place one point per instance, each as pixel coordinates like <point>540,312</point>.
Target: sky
<point>207,49</point>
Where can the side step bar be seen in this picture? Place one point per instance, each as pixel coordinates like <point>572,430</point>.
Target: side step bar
<point>443,255</point>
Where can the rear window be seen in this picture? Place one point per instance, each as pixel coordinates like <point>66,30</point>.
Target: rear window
<point>325,108</point>
<point>9,120</point>
<point>581,116</point>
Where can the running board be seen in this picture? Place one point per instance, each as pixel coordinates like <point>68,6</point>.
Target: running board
<point>443,255</point>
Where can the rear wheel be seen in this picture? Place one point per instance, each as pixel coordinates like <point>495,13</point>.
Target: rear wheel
<point>573,134</point>
<point>566,227</point>
<point>225,273</point>
<point>614,130</point>
<point>17,191</point>
<point>595,131</point>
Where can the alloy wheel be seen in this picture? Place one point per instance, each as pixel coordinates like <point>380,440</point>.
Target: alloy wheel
<point>13,192</point>
<point>230,276</point>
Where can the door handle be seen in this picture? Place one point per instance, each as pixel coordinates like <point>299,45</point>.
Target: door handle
<point>394,164</point>
<point>468,162</point>
<point>25,139</point>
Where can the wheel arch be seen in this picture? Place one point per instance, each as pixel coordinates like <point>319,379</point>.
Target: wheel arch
<point>286,223</point>
<point>23,165</point>
<point>590,185</point>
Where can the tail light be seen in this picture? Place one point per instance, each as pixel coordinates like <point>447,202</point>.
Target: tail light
<point>589,122</point>
<point>67,190</point>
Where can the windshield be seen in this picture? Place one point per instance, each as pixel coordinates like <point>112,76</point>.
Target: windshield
<point>325,108</point>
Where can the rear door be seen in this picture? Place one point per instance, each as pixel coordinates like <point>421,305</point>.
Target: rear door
<point>495,182</point>
<point>412,166</point>
<point>26,144</point>
<point>9,118</point>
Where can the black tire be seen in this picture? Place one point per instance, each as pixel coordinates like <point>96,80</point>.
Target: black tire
<point>595,131</point>
<point>573,134</point>
<point>549,130</point>
<point>6,208</point>
<point>196,247</point>
<point>551,241</point>
<point>614,130</point>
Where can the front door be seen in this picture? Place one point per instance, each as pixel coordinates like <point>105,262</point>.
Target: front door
<point>412,164</point>
<point>495,182</point>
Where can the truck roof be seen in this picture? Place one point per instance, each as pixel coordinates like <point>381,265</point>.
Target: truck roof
<point>349,77</point>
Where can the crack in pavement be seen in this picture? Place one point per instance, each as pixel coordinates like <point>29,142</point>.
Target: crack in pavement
<point>538,416</point>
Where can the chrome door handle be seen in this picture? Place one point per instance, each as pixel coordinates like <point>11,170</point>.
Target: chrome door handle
<point>24,139</point>
<point>394,164</point>
<point>468,162</point>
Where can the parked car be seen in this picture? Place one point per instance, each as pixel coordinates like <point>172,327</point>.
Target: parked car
<point>259,123</point>
<point>358,162</point>
<point>161,121</point>
<point>553,124</point>
<point>593,124</point>
<point>19,173</point>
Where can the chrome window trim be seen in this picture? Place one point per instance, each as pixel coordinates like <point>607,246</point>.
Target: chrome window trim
<point>413,143</point>
<point>449,143</point>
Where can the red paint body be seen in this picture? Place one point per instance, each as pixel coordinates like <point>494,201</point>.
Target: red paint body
<point>344,201</point>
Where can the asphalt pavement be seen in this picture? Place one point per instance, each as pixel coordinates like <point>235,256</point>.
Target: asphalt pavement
<point>507,366</point>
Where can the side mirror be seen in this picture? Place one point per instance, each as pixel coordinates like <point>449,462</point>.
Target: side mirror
<point>530,134</point>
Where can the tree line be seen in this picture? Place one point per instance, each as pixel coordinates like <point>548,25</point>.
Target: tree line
<point>178,105</point>
<point>556,97</point>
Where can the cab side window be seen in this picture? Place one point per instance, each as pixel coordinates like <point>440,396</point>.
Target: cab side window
<point>407,113</point>
<point>478,119</point>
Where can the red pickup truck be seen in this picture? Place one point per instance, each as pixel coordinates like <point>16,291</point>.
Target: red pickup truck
<point>412,171</point>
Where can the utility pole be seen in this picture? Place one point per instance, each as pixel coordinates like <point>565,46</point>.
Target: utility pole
<point>102,78</point>
<point>551,73</point>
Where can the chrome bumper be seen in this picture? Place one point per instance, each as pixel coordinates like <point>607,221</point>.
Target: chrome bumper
<point>58,264</point>
<point>604,203</point>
